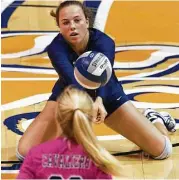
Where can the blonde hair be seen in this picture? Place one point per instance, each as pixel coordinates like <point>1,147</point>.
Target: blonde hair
<point>74,114</point>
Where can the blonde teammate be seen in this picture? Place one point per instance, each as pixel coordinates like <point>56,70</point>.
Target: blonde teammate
<point>77,153</point>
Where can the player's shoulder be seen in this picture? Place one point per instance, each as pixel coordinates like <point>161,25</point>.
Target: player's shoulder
<point>58,43</point>
<point>97,35</point>
<point>49,146</point>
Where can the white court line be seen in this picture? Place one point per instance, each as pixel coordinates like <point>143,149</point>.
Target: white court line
<point>157,89</point>
<point>102,14</point>
<point>9,171</point>
<point>148,78</point>
<point>29,79</point>
<point>5,4</point>
<point>28,70</point>
<point>120,79</point>
<point>28,33</point>
<point>147,74</point>
<point>38,98</point>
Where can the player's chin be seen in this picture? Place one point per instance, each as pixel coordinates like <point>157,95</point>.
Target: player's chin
<point>75,40</point>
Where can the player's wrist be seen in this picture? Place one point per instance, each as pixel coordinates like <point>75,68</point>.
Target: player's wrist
<point>99,99</point>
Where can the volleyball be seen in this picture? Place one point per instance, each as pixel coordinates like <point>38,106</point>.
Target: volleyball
<point>92,70</point>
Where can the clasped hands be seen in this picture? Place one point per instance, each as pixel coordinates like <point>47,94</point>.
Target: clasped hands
<point>99,111</point>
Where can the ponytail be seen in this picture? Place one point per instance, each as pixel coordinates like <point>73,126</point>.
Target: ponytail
<point>85,136</point>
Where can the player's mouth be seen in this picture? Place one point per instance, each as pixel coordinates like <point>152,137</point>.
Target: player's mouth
<point>74,34</point>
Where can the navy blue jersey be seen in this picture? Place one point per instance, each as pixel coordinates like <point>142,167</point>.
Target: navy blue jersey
<point>62,57</point>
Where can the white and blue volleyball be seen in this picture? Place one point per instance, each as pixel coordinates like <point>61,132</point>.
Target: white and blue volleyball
<point>92,70</point>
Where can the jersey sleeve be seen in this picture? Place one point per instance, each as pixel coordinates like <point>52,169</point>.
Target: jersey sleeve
<point>106,46</point>
<point>27,170</point>
<point>62,65</point>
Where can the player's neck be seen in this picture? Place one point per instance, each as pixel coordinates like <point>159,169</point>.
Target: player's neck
<point>81,47</point>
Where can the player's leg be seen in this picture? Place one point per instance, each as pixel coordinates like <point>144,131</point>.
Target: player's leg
<point>133,125</point>
<point>43,128</point>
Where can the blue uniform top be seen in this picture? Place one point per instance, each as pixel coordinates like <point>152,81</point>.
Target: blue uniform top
<point>62,57</point>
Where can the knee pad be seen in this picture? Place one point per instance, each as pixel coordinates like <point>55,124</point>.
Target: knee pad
<point>167,150</point>
<point>19,156</point>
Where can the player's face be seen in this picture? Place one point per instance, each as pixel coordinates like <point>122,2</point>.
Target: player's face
<point>73,24</point>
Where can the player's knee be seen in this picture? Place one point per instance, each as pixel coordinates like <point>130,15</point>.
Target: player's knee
<point>21,151</point>
<point>167,150</point>
<point>20,154</point>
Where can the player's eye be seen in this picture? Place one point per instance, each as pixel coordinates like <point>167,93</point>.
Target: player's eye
<point>77,20</point>
<point>65,22</point>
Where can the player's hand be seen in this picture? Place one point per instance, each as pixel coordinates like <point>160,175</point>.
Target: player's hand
<point>99,111</point>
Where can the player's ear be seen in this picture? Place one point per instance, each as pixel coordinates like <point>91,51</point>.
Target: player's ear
<point>87,22</point>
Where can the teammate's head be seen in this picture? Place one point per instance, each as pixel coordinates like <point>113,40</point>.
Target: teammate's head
<point>74,19</point>
<point>73,103</point>
<point>74,113</point>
